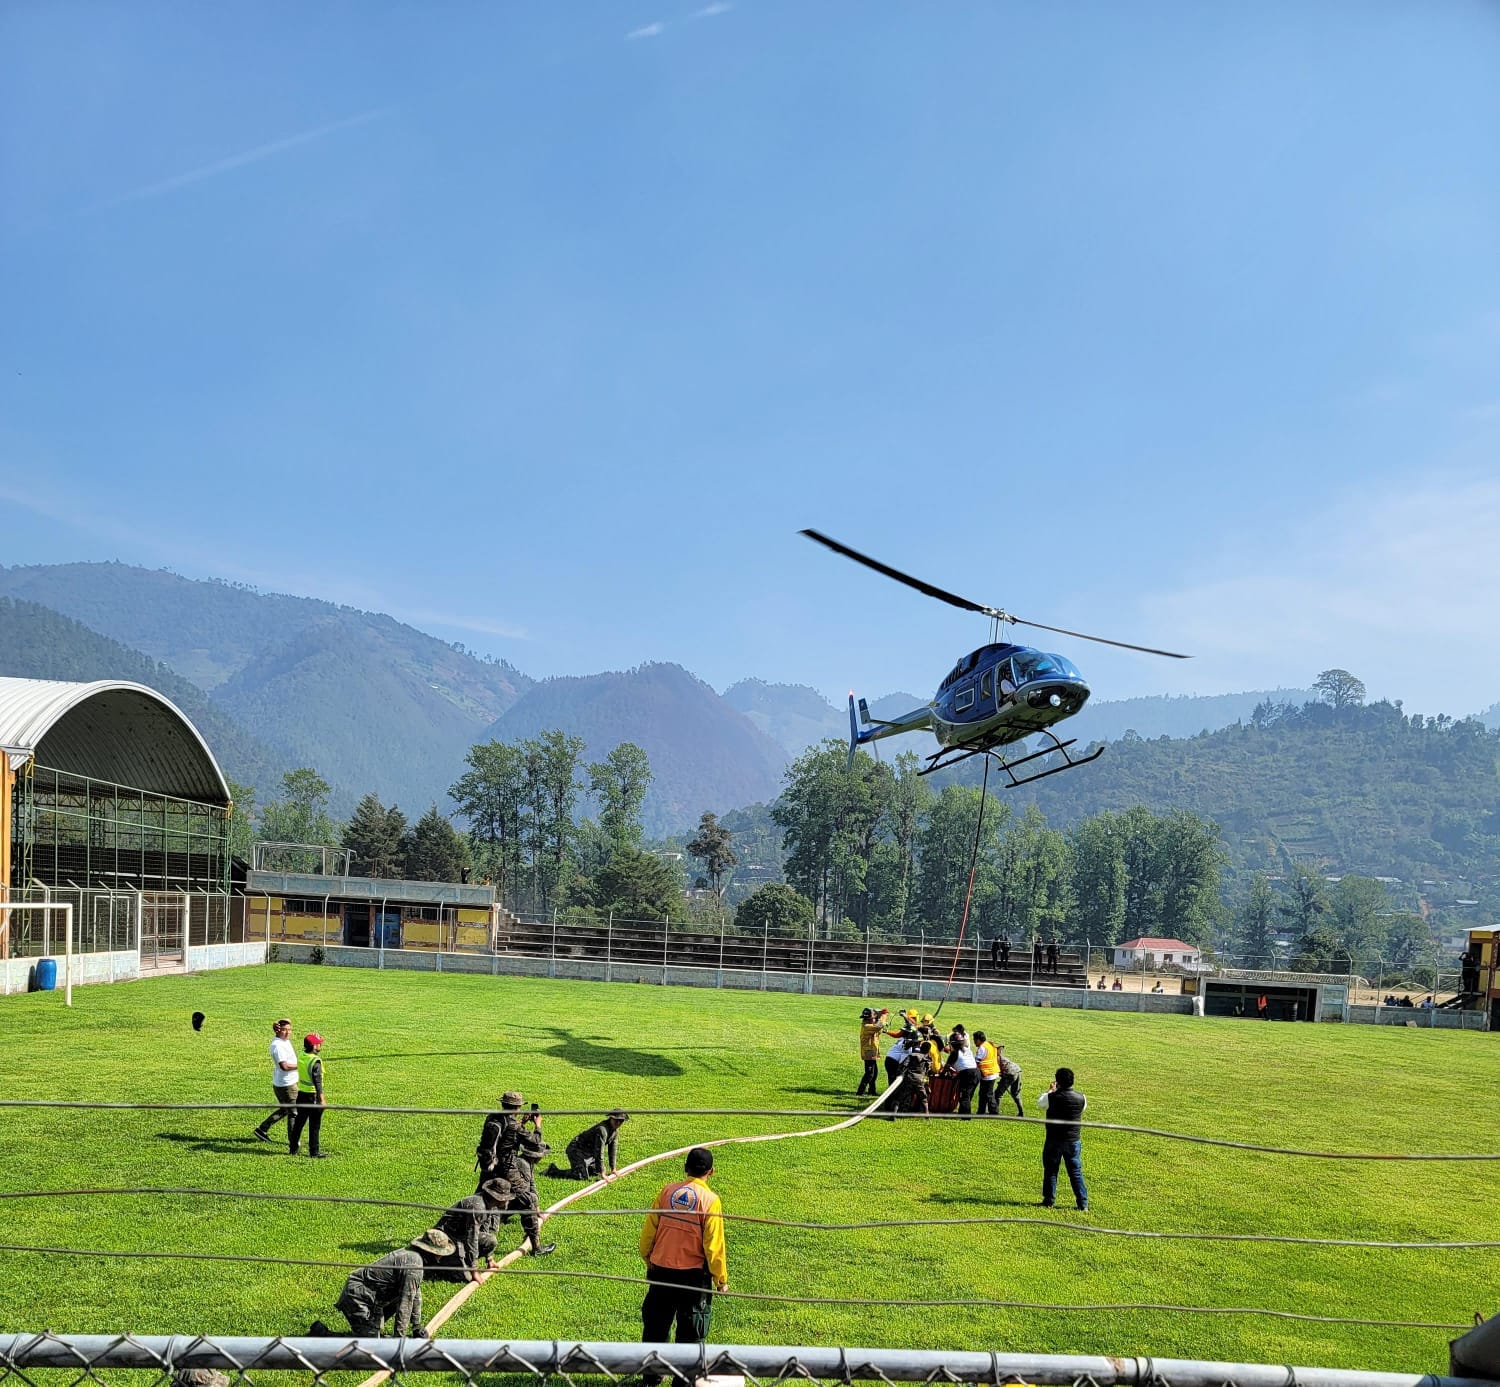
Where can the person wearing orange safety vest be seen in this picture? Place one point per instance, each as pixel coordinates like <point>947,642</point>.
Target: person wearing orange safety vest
<point>682,1244</point>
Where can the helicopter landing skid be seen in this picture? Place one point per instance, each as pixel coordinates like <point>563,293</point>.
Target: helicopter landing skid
<point>951,756</point>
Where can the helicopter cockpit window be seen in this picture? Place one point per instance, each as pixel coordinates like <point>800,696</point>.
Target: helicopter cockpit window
<point>986,686</point>
<point>964,701</point>
<point>1033,664</point>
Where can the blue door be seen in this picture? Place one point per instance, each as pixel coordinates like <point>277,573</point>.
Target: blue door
<point>388,925</point>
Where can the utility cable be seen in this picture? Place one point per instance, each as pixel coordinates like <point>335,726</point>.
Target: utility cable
<point>792,1112</point>
<point>767,1220</point>
<point>963,924</point>
<point>863,1301</point>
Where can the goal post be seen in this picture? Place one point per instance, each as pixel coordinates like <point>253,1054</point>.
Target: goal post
<point>63,908</point>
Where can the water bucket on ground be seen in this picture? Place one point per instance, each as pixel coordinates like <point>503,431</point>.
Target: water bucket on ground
<point>46,974</point>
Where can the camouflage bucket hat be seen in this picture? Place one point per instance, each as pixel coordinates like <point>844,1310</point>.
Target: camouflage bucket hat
<point>435,1241</point>
<point>511,1099</point>
<point>498,1188</point>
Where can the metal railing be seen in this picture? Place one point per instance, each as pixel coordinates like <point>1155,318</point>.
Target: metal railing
<point>215,1361</point>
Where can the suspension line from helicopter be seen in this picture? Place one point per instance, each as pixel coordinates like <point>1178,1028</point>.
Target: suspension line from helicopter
<point>963,924</point>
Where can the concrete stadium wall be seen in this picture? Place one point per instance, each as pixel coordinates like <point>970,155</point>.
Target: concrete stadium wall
<point>202,958</point>
<point>829,984</point>
<point>1424,1018</point>
<point>753,980</point>
<point>15,973</point>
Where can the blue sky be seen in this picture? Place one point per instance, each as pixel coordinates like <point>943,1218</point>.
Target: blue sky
<point>546,326</point>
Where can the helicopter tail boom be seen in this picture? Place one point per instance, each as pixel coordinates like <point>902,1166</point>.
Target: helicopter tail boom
<point>863,728</point>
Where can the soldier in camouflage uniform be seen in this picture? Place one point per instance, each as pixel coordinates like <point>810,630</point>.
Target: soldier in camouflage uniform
<point>595,1152</point>
<point>916,1071</point>
<point>473,1224</point>
<point>388,1289</point>
<point>507,1150</point>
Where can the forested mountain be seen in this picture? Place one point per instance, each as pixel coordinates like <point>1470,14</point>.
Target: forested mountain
<point>1361,789</point>
<point>38,643</point>
<point>703,752</point>
<point>1172,715</point>
<point>797,717</point>
<point>373,703</point>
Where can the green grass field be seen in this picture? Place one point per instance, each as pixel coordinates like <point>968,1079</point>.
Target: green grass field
<point>425,1040</point>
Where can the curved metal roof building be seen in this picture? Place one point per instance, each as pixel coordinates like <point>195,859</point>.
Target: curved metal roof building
<point>108,730</point>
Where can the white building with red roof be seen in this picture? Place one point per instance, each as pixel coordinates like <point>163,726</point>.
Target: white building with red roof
<point>1150,952</point>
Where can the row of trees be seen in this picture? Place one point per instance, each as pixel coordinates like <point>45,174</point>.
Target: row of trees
<point>1332,927</point>
<point>521,801</point>
<point>380,838</point>
<point>872,847</point>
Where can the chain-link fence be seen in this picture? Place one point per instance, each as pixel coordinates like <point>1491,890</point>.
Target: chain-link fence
<point>187,1361</point>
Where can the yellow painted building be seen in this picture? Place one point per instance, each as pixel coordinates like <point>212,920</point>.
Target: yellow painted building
<point>368,912</point>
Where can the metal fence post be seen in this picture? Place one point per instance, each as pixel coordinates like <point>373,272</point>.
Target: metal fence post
<point>721,945</point>
<point>765,952</point>
<point>975,996</point>
<point>666,922</point>
<point>609,946</point>
<point>864,990</point>
<point>921,959</point>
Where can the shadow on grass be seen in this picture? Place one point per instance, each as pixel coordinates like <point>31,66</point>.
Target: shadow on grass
<point>367,1249</point>
<point>821,1092</point>
<point>227,1146</point>
<point>585,1052</point>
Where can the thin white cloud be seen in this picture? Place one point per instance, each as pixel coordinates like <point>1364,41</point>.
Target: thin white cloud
<point>647,31</point>
<point>709,11</point>
<point>238,161</point>
<point>1399,586</point>
<point>458,622</point>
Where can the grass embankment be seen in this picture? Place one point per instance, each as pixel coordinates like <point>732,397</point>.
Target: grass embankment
<point>424,1040</point>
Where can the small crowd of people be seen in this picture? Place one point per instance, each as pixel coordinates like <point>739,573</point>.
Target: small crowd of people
<point>1044,957</point>
<point>922,1055</point>
<point>682,1240</point>
<point>1392,1000</point>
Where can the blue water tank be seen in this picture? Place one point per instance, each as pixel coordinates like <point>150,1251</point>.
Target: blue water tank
<point>46,974</point>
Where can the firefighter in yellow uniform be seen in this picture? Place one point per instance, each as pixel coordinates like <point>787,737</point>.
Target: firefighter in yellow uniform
<point>682,1244</point>
<point>871,1024</point>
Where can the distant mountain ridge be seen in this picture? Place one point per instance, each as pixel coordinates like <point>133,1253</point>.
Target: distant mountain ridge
<point>372,703</point>
<point>704,753</point>
<point>38,643</point>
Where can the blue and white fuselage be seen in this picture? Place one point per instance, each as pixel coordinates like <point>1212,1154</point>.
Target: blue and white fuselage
<point>992,697</point>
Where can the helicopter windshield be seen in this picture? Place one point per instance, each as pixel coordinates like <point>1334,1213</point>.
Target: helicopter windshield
<point>1034,664</point>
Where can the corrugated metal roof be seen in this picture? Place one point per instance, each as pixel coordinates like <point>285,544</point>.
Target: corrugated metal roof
<point>109,730</point>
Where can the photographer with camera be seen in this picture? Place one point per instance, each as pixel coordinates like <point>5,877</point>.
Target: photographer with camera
<point>509,1146</point>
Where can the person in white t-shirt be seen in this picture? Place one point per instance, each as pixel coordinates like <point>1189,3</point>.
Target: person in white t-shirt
<point>283,1077</point>
<point>964,1068</point>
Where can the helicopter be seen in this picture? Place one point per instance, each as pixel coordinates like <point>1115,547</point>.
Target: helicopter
<point>993,697</point>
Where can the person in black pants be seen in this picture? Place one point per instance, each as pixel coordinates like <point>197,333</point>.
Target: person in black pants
<point>310,1099</point>
<point>1052,958</point>
<point>1063,1106</point>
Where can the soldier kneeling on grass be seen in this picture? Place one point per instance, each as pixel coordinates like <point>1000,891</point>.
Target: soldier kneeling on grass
<point>596,1152</point>
<point>390,1289</point>
<point>473,1225</point>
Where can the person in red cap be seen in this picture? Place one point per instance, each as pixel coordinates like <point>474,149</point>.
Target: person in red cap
<point>310,1097</point>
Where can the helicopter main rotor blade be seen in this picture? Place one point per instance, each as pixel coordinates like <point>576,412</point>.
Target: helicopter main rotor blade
<point>964,604</point>
<point>942,594</point>
<point>1101,640</point>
